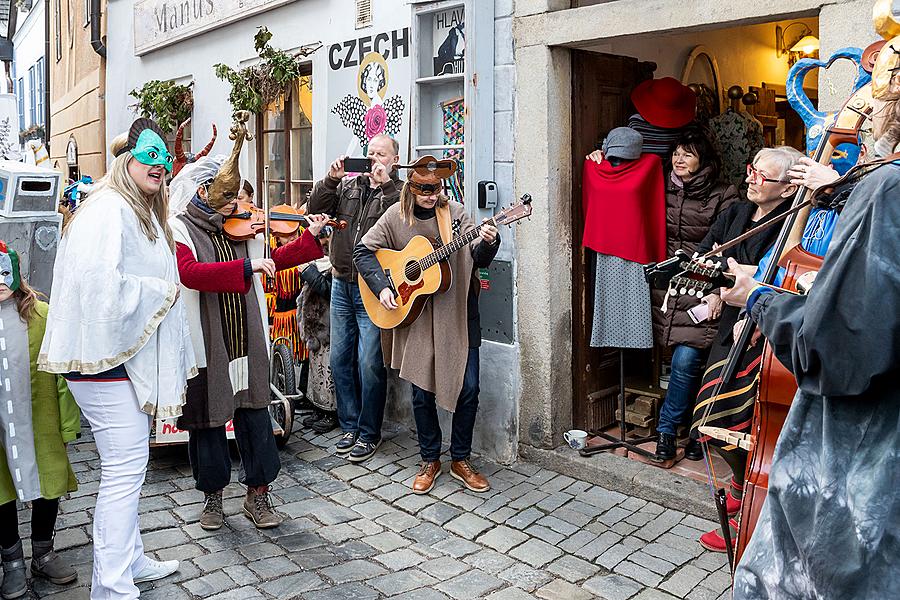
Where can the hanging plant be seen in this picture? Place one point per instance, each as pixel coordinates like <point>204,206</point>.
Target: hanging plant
<point>166,102</point>
<point>256,87</point>
<point>35,132</point>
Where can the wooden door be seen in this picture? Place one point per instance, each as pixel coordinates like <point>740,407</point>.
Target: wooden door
<point>601,85</point>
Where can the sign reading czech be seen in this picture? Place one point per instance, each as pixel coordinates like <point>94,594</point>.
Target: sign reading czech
<point>159,23</point>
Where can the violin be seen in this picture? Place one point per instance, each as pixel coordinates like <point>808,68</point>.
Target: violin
<point>249,220</point>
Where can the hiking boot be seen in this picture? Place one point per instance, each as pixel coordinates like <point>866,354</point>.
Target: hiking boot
<point>693,450</point>
<point>425,478</point>
<point>363,451</point>
<point>155,570</point>
<point>346,443</point>
<point>326,423</point>
<point>469,475</point>
<point>665,448</point>
<point>212,517</point>
<point>258,508</point>
<point>15,584</point>
<point>48,564</point>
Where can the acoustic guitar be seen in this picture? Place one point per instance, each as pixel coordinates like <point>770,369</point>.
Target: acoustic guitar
<point>421,270</point>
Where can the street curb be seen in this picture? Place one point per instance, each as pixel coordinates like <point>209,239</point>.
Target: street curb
<point>627,476</point>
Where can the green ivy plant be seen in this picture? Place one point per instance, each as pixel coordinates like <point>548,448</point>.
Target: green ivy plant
<point>255,87</point>
<point>166,102</point>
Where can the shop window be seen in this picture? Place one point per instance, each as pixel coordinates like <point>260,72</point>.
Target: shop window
<point>284,144</point>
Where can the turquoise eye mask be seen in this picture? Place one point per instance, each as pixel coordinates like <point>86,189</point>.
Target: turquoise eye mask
<point>146,145</point>
<point>151,150</point>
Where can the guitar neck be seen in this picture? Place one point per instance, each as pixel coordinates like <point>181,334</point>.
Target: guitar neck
<point>455,244</point>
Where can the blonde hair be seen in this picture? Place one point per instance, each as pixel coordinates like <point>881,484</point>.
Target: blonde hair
<point>26,300</point>
<point>145,208</point>
<point>408,204</point>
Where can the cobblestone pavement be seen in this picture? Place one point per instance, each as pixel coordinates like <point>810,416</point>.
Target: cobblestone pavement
<point>357,532</point>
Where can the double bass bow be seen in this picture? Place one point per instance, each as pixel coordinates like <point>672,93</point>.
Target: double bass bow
<point>843,127</point>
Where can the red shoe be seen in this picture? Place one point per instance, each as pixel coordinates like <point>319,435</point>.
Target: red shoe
<point>713,540</point>
<point>732,505</point>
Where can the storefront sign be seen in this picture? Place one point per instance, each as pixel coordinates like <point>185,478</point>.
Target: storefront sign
<point>167,432</point>
<point>159,23</point>
<point>368,91</point>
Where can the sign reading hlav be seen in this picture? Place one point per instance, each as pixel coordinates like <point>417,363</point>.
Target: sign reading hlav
<point>159,23</point>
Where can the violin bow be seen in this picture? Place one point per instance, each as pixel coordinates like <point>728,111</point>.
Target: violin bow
<point>844,126</point>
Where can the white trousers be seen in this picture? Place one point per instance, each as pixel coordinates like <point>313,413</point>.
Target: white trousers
<point>122,435</point>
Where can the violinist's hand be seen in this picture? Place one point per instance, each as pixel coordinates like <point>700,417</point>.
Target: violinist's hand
<point>263,265</point>
<point>380,175</point>
<point>386,297</point>
<point>488,233</point>
<point>811,174</point>
<point>336,170</point>
<point>316,223</point>
<point>596,156</point>
<point>739,328</point>
<point>743,284</point>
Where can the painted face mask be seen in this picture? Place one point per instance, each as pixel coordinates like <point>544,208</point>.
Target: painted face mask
<point>9,267</point>
<point>146,145</point>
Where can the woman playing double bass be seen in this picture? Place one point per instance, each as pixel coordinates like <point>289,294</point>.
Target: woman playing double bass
<point>830,526</point>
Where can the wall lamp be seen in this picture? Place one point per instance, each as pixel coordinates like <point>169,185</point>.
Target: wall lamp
<point>805,44</point>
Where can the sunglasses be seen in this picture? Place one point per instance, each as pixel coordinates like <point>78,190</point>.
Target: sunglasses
<point>756,177</point>
<point>425,189</point>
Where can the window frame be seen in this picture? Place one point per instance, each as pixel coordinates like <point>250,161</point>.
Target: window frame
<point>39,94</point>
<point>87,13</point>
<point>58,36</point>
<point>20,102</point>
<point>32,91</point>
<point>286,129</point>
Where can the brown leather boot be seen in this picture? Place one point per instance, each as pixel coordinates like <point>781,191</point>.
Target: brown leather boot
<point>469,475</point>
<point>427,475</point>
<point>212,517</point>
<point>258,508</point>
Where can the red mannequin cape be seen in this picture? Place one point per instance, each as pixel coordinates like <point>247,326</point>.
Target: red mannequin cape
<point>625,209</point>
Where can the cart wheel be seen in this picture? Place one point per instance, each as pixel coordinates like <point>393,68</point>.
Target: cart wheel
<point>283,379</point>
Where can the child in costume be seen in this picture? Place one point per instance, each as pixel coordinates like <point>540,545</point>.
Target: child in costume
<point>40,417</point>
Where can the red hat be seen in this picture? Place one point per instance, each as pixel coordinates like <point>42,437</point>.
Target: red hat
<point>665,102</point>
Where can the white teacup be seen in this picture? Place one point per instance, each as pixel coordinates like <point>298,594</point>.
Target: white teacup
<point>576,438</point>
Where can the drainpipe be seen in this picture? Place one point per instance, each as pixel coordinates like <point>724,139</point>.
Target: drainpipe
<point>47,74</point>
<point>96,33</point>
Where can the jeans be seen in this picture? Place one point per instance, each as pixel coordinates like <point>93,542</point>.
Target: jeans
<point>211,460</point>
<point>428,428</point>
<point>122,434</point>
<point>357,364</point>
<point>684,383</point>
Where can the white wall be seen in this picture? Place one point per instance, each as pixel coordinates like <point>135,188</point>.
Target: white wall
<point>28,44</point>
<point>293,25</point>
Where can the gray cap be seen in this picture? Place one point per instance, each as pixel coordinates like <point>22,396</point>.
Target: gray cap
<point>624,143</point>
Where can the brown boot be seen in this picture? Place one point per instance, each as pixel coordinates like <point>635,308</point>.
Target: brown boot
<point>212,517</point>
<point>425,478</point>
<point>469,475</point>
<point>258,508</point>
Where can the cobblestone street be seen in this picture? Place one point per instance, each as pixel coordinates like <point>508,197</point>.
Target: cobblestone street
<point>357,532</point>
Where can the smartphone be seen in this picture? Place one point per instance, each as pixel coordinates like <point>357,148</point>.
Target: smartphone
<point>358,165</point>
<point>699,313</point>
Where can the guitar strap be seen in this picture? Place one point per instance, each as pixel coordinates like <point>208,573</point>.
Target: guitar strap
<point>444,225</point>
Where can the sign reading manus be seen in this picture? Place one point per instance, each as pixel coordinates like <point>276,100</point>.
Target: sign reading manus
<point>159,23</point>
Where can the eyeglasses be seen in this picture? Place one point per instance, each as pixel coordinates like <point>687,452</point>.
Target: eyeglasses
<point>756,177</point>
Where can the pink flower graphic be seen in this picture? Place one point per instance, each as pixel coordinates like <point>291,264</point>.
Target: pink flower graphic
<point>376,120</point>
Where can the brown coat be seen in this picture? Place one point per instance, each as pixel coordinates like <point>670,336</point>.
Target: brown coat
<point>432,352</point>
<point>690,211</point>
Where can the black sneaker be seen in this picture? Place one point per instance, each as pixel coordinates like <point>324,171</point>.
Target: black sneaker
<point>326,423</point>
<point>693,450</point>
<point>346,443</point>
<point>363,450</point>
<point>665,447</point>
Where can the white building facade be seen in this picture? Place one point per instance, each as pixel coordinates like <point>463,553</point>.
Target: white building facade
<point>429,107</point>
<point>29,66</point>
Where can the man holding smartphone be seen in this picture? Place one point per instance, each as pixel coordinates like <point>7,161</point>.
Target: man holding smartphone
<point>357,366</point>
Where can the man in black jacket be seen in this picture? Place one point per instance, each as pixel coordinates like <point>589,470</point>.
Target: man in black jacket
<point>357,366</point>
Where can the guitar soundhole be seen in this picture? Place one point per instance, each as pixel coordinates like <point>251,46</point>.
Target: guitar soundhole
<point>412,271</point>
